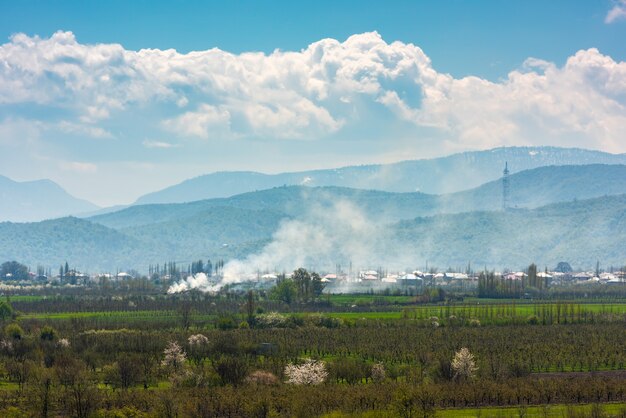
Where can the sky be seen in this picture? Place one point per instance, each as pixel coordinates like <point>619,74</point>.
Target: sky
<point>116,99</point>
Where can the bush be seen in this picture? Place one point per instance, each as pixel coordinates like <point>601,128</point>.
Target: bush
<point>47,333</point>
<point>14,331</point>
<point>226,323</point>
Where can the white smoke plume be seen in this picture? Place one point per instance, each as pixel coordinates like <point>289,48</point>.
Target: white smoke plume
<point>325,236</point>
<point>199,281</point>
<point>332,231</point>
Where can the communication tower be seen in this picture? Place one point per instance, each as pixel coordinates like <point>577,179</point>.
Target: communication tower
<point>505,186</point>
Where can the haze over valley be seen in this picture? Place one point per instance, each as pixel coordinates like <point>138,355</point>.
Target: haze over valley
<point>279,228</point>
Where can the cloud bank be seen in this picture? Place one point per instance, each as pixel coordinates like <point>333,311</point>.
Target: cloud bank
<point>326,90</point>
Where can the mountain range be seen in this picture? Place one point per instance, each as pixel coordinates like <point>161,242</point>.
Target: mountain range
<point>449,174</point>
<point>558,213</point>
<point>37,200</point>
<point>44,199</point>
<point>528,189</point>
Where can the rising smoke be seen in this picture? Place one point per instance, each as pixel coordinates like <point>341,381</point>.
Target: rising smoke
<point>199,281</point>
<point>331,231</point>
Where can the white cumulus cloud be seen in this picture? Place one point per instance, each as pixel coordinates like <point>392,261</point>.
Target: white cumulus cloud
<point>318,92</point>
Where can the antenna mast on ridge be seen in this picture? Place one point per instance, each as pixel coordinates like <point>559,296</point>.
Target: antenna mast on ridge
<point>505,186</point>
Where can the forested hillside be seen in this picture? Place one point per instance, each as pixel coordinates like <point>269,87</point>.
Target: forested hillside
<point>580,232</point>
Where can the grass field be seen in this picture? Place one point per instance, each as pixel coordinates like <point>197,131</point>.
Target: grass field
<point>488,313</point>
<point>349,299</point>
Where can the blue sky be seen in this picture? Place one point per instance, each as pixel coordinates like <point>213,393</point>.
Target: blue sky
<point>85,103</point>
<point>483,38</point>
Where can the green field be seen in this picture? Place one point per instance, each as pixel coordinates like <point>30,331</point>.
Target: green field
<point>487,313</point>
<point>351,299</point>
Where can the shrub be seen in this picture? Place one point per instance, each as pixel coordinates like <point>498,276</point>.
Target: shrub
<point>14,331</point>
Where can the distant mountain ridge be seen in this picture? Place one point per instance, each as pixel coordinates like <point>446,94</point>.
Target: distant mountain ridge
<point>528,189</point>
<point>573,213</point>
<point>30,201</point>
<point>580,232</point>
<point>449,174</point>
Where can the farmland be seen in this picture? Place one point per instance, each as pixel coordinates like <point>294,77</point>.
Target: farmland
<point>532,357</point>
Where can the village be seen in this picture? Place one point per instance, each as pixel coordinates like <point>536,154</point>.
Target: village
<point>360,280</point>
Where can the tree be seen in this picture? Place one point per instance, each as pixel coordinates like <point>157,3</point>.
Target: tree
<point>250,307</point>
<point>378,373</point>
<point>6,310</point>
<point>186,315</point>
<point>41,390</point>
<point>532,276</point>
<point>198,347</point>
<point>563,267</point>
<point>464,365</point>
<point>284,291</point>
<point>13,270</point>
<point>232,370</point>
<point>174,357</point>
<point>311,372</point>
<point>128,371</point>
<point>197,267</point>
<point>317,286</point>
<point>302,279</point>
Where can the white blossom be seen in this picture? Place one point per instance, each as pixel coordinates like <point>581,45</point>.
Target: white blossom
<point>379,373</point>
<point>311,372</point>
<point>174,356</point>
<point>63,343</point>
<point>6,345</point>
<point>272,320</point>
<point>463,364</point>
<point>197,340</point>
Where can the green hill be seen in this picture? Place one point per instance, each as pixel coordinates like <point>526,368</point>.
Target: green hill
<point>580,232</point>
<point>84,244</point>
<point>545,185</point>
